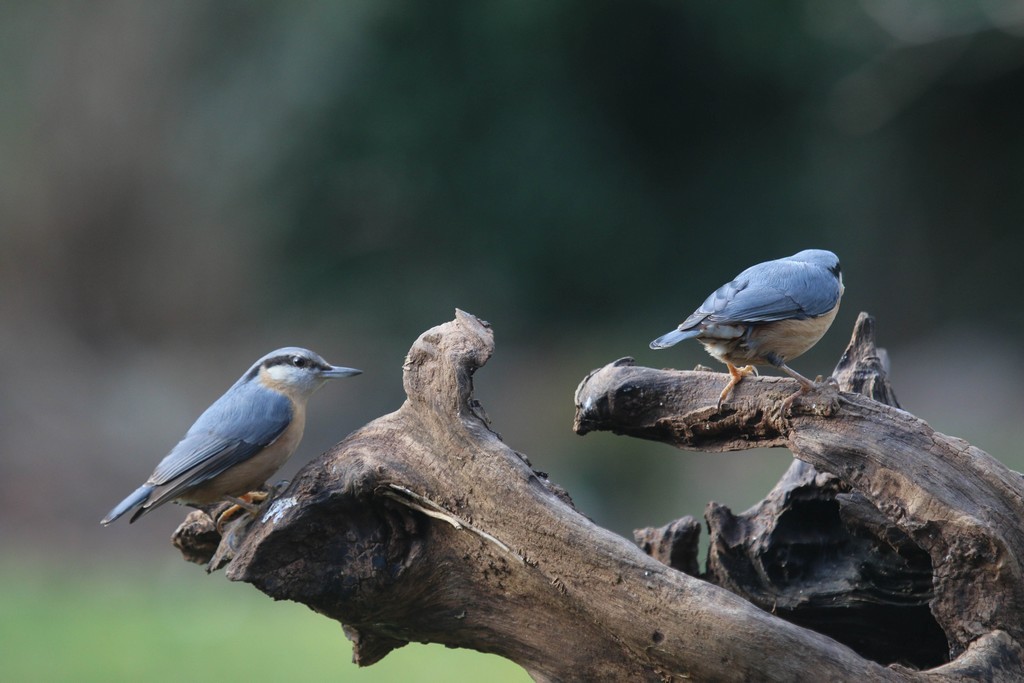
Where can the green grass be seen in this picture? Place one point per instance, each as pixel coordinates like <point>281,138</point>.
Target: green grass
<point>175,623</point>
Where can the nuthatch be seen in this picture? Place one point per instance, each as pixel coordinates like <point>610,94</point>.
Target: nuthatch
<point>771,313</point>
<point>242,439</point>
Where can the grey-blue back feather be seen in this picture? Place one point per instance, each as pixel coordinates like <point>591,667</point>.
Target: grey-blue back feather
<point>137,497</point>
<point>775,290</point>
<point>236,427</point>
<point>672,338</point>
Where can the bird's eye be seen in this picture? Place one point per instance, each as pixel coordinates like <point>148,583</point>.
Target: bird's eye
<point>299,361</point>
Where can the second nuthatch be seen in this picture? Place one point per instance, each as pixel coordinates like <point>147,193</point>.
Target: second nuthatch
<point>768,315</point>
<point>242,439</point>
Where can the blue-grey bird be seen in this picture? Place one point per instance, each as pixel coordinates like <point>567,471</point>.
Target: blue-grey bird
<point>242,439</point>
<point>768,315</point>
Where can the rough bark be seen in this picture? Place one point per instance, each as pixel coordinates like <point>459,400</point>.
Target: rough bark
<point>424,526</point>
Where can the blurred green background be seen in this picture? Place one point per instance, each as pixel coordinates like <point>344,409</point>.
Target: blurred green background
<point>187,185</point>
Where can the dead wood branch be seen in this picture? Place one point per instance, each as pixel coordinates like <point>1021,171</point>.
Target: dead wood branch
<point>424,526</point>
<point>885,515</point>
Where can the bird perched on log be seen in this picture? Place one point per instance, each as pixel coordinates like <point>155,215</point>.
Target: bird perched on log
<point>768,315</point>
<point>242,439</point>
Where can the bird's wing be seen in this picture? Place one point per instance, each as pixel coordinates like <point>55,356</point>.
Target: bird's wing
<point>776,290</point>
<point>230,431</point>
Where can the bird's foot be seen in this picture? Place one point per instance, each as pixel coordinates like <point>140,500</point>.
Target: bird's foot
<point>827,390</point>
<point>736,375</point>
<point>248,502</point>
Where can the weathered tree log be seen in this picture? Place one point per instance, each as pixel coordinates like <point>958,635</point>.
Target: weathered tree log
<point>424,526</point>
<point>896,499</point>
<point>821,556</point>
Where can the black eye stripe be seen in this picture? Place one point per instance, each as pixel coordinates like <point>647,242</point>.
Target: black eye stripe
<point>296,361</point>
<point>280,360</point>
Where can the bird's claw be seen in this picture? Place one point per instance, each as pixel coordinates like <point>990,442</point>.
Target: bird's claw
<point>829,386</point>
<point>736,375</point>
<point>248,502</point>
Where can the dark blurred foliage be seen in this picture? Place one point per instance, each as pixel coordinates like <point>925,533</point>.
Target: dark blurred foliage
<point>550,164</point>
<point>589,162</point>
<point>187,185</point>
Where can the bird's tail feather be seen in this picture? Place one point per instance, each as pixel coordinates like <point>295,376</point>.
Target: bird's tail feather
<point>137,498</point>
<point>673,338</point>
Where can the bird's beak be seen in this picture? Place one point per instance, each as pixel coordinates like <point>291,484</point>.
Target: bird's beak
<point>337,371</point>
